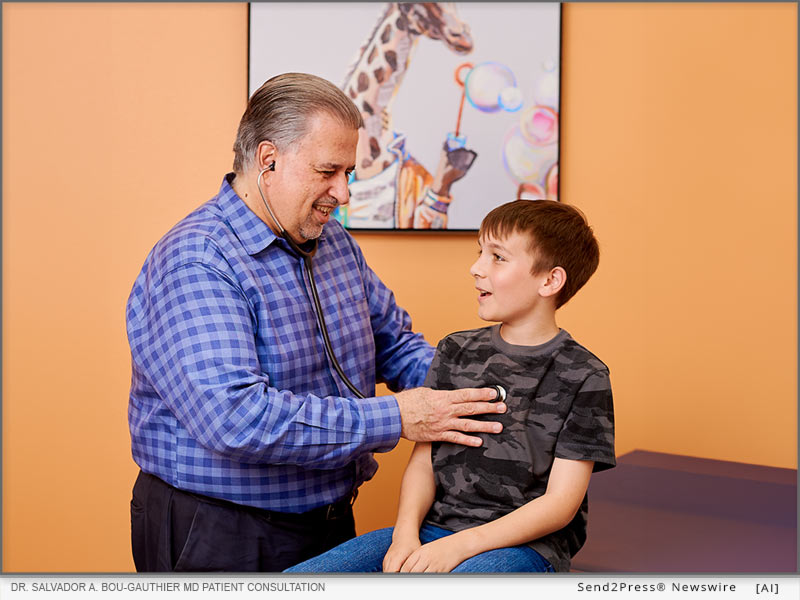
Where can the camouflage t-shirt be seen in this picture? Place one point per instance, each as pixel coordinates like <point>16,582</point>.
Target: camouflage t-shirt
<point>559,405</point>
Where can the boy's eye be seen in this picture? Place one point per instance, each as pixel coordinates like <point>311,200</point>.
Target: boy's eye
<point>498,257</point>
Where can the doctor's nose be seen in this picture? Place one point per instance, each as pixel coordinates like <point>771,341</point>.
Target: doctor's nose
<point>341,190</point>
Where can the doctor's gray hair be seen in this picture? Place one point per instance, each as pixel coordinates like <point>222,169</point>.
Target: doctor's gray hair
<point>279,111</point>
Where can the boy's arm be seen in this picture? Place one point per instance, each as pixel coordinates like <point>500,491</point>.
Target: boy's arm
<point>416,496</point>
<point>552,511</point>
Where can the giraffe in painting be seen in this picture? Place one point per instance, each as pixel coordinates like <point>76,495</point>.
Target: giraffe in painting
<point>391,189</point>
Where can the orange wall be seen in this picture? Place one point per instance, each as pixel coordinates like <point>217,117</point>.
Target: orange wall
<point>679,142</point>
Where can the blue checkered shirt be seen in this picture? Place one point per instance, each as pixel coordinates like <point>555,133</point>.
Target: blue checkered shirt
<point>232,394</point>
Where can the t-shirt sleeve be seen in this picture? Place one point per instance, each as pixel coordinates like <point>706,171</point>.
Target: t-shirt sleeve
<point>588,431</point>
<point>432,378</point>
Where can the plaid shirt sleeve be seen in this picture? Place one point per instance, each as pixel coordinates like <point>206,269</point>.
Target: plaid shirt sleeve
<point>202,361</point>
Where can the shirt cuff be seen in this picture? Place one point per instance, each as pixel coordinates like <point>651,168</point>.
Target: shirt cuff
<point>384,424</point>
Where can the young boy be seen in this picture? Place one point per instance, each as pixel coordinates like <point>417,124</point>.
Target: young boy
<point>518,502</point>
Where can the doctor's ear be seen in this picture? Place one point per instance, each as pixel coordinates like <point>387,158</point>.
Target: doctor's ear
<point>556,279</point>
<point>265,155</point>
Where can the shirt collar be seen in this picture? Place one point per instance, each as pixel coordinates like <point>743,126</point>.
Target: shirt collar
<point>253,233</point>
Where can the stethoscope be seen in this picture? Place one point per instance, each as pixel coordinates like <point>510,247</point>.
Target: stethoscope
<point>306,255</point>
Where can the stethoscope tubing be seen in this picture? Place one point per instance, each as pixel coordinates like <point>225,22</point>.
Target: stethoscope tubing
<point>324,330</point>
<point>307,263</point>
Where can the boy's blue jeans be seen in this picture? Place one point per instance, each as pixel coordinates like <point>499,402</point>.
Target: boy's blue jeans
<point>364,554</point>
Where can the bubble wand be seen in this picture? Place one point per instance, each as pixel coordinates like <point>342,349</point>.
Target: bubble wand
<point>453,139</point>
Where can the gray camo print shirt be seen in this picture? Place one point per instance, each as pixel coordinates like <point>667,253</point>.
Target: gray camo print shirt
<point>559,405</point>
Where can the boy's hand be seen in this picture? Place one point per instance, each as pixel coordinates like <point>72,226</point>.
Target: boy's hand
<point>398,552</point>
<point>439,556</point>
<point>435,415</point>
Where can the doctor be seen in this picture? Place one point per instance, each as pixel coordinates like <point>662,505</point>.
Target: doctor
<point>251,446</point>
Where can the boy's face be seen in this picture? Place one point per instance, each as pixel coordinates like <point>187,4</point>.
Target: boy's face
<point>507,290</point>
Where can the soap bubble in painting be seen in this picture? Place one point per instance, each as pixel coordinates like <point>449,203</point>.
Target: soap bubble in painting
<point>491,87</point>
<point>529,191</point>
<point>551,183</point>
<point>545,91</point>
<point>524,161</point>
<point>539,125</point>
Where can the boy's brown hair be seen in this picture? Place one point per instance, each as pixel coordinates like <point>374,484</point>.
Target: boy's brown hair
<point>558,234</point>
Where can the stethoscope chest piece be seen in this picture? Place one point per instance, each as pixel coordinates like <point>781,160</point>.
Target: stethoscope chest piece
<point>501,393</point>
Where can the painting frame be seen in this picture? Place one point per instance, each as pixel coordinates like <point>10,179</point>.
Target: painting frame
<point>474,124</point>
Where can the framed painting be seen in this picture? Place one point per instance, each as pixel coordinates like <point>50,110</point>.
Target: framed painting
<point>461,101</point>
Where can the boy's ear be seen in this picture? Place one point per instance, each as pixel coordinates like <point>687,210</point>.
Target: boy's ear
<point>556,280</point>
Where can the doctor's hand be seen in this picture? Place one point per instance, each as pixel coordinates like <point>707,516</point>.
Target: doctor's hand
<point>438,415</point>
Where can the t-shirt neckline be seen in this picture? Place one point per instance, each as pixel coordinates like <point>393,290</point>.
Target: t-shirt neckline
<point>545,348</point>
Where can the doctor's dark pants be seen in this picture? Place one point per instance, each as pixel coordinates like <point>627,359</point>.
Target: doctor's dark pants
<point>173,530</point>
